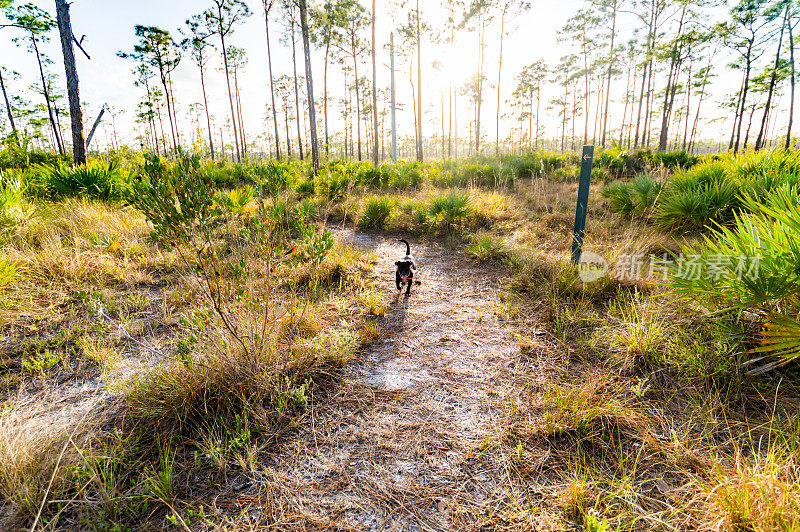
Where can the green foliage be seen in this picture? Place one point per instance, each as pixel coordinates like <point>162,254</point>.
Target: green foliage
<point>273,178</point>
<point>235,201</point>
<point>102,180</point>
<point>486,248</point>
<point>709,191</point>
<point>753,266</point>
<point>693,209</point>
<point>16,152</point>
<point>14,209</point>
<point>636,197</point>
<point>451,208</point>
<point>620,195</point>
<point>9,272</point>
<point>177,199</point>
<point>376,210</point>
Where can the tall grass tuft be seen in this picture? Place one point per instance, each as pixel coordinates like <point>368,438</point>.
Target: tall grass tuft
<point>451,208</point>
<point>376,211</point>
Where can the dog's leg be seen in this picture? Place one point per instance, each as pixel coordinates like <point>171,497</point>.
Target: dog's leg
<point>397,280</point>
<point>410,281</point>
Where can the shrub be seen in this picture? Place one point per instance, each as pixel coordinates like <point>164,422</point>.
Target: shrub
<point>15,152</point>
<point>752,266</point>
<point>411,215</point>
<point>637,197</point>
<point>333,185</point>
<point>305,188</point>
<point>235,201</point>
<point>694,209</point>
<point>405,177</point>
<point>272,177</point>
<point>177,199</point>
<point>620,195</point>
<point>101,180</point>
<point>376,210</point>
<point>451,208</point>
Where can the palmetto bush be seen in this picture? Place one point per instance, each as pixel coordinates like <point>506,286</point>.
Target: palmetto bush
<point>637,197</point>
<point>753,267</point>
<point>451,208</point>
<point>712,191</point>
<point>376,210</point>
<point>694,209</point>
<point>103,180</point>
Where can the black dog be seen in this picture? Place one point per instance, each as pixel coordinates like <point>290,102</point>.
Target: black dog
<point>405,269</point>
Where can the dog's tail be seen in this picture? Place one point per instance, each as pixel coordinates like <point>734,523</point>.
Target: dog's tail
<point>408,247</point>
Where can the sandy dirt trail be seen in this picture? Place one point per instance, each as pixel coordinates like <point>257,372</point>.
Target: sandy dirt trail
<point>408,456</point>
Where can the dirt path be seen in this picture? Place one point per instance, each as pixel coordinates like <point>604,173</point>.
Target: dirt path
<point>400,446</point>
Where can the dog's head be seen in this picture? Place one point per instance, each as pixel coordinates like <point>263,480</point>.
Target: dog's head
<point>404,268</point>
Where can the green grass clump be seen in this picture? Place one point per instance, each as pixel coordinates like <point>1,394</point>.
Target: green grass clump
<point>102,180</point>
<point>376,211</point>
<point>451,208</point>
<point>635,198</point>
<point>485,247</point>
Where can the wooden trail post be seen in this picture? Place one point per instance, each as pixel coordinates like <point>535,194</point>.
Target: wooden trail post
<point>583,199</point>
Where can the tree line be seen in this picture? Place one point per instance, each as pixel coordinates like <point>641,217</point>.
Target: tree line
<point>632,73</point>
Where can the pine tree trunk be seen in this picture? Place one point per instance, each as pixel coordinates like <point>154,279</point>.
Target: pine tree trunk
<point>267,7</point>
<point>239,111</point>
<point>46,92</point>
<point>312,116</point>
<point>205,106</point>
<point>228,81</point>
<point>286,123</point>
<point>75,113</point>
<point>374,94</point>
<point>325,99</point>
<point>419,88</point>
<point>499,72</point>
<point>358,93</point>
<point>165,84</point>
<point>762,130</point>
<point>745,88</point>
<point>791,100</point>
<point>480,88</point>
<point>538,102</point>
<point>672,82</point>
<point>8,107</point>
<point>296,94</point>
<point>587,94</point>
<point>610,65</point>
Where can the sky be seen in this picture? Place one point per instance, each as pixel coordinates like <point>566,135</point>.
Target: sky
<point>107,79</point>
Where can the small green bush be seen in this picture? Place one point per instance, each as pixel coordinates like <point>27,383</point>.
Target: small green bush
<point>101,180</point>
<point>451,208</point>
<point>376,210</point>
